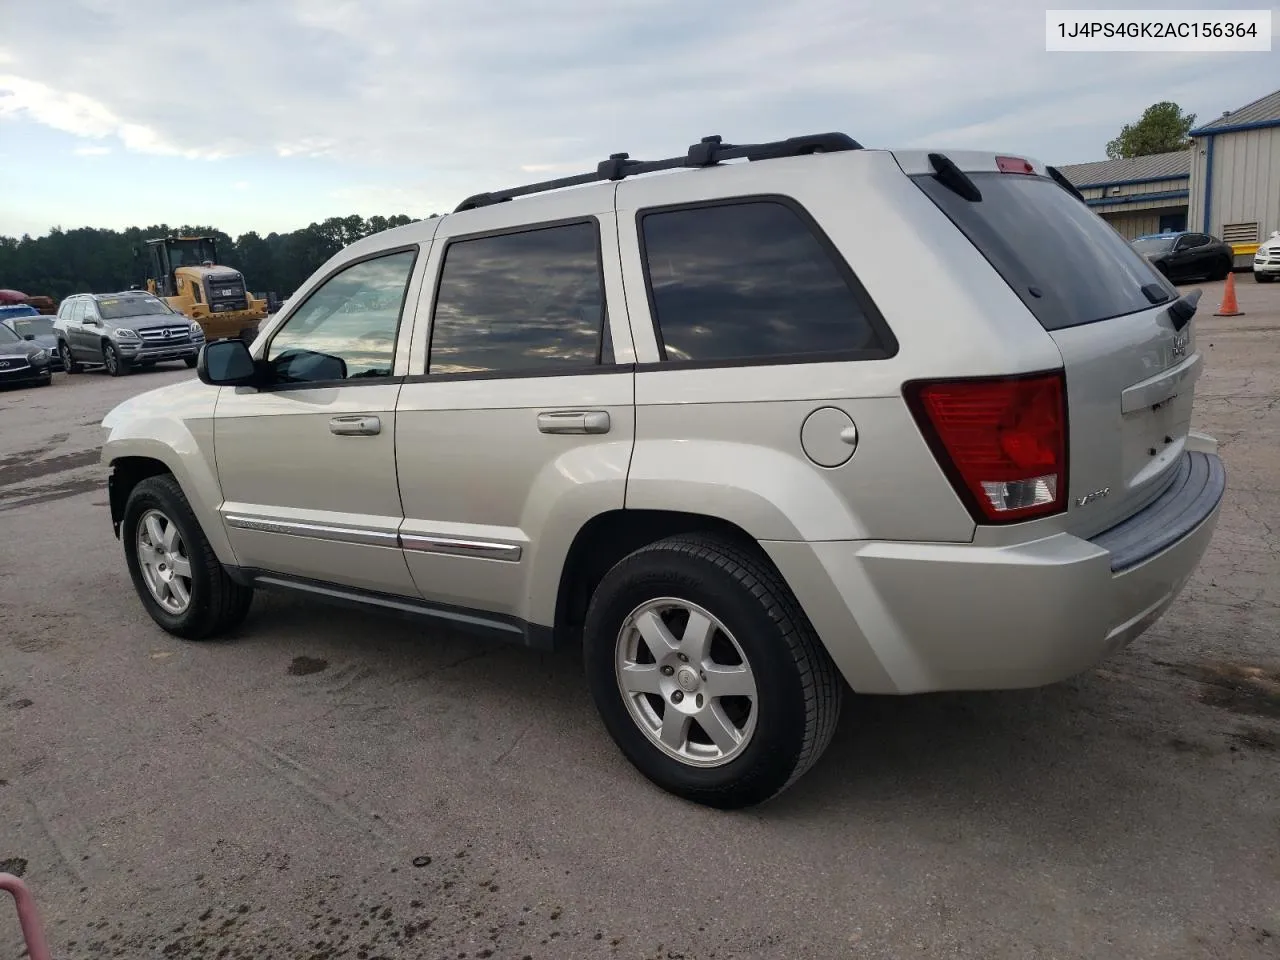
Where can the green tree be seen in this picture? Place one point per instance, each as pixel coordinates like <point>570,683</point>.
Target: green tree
<point>86,259</point>
<point>1163,128</point>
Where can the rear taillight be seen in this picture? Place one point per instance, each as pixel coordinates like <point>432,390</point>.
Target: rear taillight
<point>1002,441</point>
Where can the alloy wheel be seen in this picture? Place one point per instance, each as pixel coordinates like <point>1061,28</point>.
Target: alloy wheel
<point>686,682</point>
<point>163,560</point>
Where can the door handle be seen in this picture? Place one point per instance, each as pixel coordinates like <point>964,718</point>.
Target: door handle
<point>365,426</point>
<point>574,421</point>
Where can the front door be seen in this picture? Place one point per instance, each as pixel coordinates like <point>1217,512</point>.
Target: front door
<point>519,426</point>
<point>307,464</point>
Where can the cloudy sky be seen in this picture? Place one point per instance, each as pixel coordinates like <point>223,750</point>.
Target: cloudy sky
<point>269,114</point>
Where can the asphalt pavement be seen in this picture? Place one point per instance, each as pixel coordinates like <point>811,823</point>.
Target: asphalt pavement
<point>333,785</point>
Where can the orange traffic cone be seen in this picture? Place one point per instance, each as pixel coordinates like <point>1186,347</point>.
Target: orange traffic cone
<point>1229,307</point>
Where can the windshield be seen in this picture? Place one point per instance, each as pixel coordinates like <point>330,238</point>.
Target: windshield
<point>38,326</point>
<point>1154,246</point>
<point>191,253</point>
<point>23,311</point>
<point>1067,264</point>
<point>8,336</point>
<point>115,308</point>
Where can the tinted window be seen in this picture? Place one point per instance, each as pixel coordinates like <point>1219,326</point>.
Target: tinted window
<point>1067,264</point>
<point>116,308</point>
<point>520,302</point>
<point>77,311</point>
<point>38,326</point>
<point>347,328</point>
<point>748,280</point>
<point>1154,246</point>
<point>1197,240</point>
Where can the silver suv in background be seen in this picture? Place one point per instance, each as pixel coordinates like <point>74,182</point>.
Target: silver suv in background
<point>122,331</point>
<point>708,425</point>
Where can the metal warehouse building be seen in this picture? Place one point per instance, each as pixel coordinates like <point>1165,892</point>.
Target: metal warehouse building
<point>1227,184</point>
<point>1235,175</point>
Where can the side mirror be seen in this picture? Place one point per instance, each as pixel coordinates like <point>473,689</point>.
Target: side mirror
<point>226,363</point>
<point>29,336</point>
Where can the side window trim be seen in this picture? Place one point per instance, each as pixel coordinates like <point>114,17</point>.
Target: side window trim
<point>875,319</point>
<point>603,327</point>
<point>319,284</point>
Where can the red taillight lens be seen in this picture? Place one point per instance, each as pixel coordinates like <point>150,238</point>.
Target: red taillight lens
<point>1014,165</point>
<point>1002,441</point>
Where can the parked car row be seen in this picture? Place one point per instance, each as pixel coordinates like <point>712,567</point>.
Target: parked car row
<point>119,332</point>
<point>1187,256</point>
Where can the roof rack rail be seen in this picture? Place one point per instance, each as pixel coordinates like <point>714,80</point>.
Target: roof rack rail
<point>708,152</point>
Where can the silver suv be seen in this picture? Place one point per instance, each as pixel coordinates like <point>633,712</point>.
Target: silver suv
<point>710,425</point>
<point>122,331</point>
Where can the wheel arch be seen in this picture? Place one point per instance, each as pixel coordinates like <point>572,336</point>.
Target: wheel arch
<point>133,460</point>
<point>607,537</point>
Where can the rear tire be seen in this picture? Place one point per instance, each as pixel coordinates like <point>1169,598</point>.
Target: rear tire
<point>115,365</point>
<point>69,364</point>
<point>190,362</point>
<point>1223,269</point>
<point>771,736</point>
<point>209,603</point>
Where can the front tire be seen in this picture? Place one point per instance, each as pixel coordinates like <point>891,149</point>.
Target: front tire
<point>706,672</point>
<point>1261,278</point>
<point>69,363</point>
<point>177,576</point>
<point>190,362</point>
<point>115,365</point>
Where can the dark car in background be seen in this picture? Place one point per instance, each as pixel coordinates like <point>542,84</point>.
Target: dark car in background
<point>22,362</point>
<point>1187,256</point>
<point>34,327</point>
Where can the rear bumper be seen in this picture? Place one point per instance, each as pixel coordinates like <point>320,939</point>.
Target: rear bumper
<point>917,617</point>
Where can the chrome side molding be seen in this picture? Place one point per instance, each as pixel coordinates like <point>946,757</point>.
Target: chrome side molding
<point>421,543</point>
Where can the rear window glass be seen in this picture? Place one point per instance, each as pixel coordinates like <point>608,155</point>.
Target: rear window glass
<point>1067,265</point>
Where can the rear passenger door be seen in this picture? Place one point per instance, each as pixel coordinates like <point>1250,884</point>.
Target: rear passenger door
<point>519,422</point>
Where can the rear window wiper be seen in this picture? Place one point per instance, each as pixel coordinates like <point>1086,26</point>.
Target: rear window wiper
<point>953,178</point>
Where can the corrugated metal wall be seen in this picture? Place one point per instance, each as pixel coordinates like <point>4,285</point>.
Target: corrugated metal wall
<point>1133,225</point>
<point>1135,190</point>
<point>1246,181</point>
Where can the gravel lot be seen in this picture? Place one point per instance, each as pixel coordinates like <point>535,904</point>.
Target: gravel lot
<point>330,785</point>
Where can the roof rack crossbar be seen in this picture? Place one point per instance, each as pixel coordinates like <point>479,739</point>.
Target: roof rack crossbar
<point>708,152</point>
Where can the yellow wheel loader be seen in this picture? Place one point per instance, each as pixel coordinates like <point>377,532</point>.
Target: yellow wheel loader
<point>185,272</point>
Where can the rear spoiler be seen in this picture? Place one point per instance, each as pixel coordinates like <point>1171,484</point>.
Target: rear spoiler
<point>947,172</point>
<point>1060,179</point>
